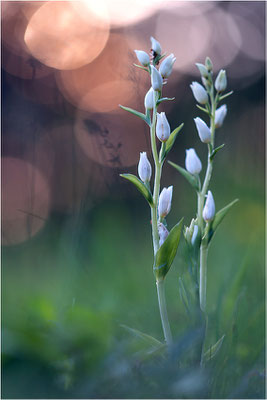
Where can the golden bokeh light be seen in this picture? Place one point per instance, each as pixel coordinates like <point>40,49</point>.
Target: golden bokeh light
<point>107,81</point>
<point>25,200</point>
<point>59,37</point>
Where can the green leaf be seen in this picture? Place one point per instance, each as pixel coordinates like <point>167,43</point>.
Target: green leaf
<point>225,95</point>
<point>137,113</point>
<point>215,151</point>
<point>141,67</point>
<point>213,350</point>
<point>165,99</point>
<point>140,186</point>
<point>170,142</point>
<point>192,179</point>
<point>184,296</point>
<point>203,109</point>
<point>219,216</point>
<point>146,338</point>
<point>167,251</point>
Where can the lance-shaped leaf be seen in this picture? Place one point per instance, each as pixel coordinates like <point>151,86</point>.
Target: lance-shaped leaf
<point>150,340</point>
<point>140,186</point>
<point>167,251</point>
<point>170,142</point>
<point>165,99</point>
<point>215,151</point>
<point>219,216</point>
<point>213,350</point>
<point>141,67</point>
<point>192,179</point>
<point>225,95</point>
<point>203,109</point>
<point>137,113</point>
<point>184,296</point>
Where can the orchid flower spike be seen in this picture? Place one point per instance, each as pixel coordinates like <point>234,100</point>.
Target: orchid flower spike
<point>203,130</point>
<point>163,129</point>
<point>192,162</point>
<point>143,57</point>
<point>165,200</point>
<point>165,68</point>
<point>209,209</point>
<point>199,93</point>
<point>144,168</point>
<point>156,79</point>
<point>220,114</point>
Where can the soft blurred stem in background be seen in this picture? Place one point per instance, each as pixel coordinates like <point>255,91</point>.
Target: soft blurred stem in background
<point>163,311</point>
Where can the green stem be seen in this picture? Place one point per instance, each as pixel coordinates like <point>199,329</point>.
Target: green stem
<point>203,276</point>
<point>163,312</point>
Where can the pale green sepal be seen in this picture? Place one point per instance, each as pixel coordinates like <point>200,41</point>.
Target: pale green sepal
<point>165,99</point>
<point>167,251</point>
<point>219,217</point>
<point>215,151</point>
<point>225,95</point>
<point>140,66</point>
<point>137,113</point>
<point>184,296</point>
<point>192,179</point>
<point>203,109</point>
<point>170,142</point>
<point>213,350</point>
<point>140,186</point>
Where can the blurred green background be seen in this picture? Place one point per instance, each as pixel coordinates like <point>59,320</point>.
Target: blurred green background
<point>76,238</point>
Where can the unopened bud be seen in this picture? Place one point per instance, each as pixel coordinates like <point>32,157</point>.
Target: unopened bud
<point>208,64</point>
<point>199,93</point>
<point>163,129</point>
<point>190,233</point>
<point>221,81</point>
<point>155,46</point>
<point>206,83</point>
<point>149,99</point>
<point>220,114</point>
<point>144,168</point>
<point>203,130</point>
<point>156,79</point>
<point>165,68</point>
<point>192,162</point>
<point>209,209</point>
<point>165,201</point>
<point>203,70</point>
<point>143,57</point>
<point>163,233</point>
<point>194,236</point>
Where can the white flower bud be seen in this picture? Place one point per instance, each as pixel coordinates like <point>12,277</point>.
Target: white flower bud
<point>155,46</point>
<point>199,93</point>
<point>192,162</point>
<point>165,68</point>
<point>208,64</point>
<point>220,114</point>
<point>209,209</point>
<point>149,99</point>
<point>203,130</point>
<point>203,70</point>
<point>165,201</point>
<point>221,81</point>
<point>194,236</point>
<point>163,233</point>
<point>156,79</point>
<point>163,129</point>
<point>144,168</point>
<point>143,57</point>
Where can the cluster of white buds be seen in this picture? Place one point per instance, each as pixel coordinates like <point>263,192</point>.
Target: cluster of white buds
<point>209,208</point>
<point>163,129</point>
<point>191,232</point>
<point>192,162</point>
<point>165,201</point>
<point>203,130</point>
<point>144,168</point>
